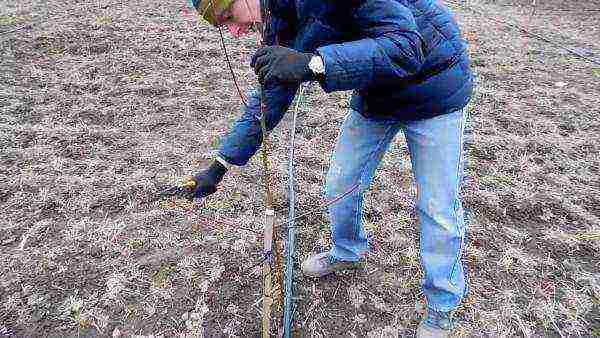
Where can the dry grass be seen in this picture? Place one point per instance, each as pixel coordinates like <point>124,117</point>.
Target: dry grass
<point>103,104</point>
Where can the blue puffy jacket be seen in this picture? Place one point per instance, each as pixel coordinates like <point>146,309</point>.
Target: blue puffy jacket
<point>404,59</point>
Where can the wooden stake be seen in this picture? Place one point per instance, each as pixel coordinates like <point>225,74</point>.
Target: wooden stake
<point>268,282</point>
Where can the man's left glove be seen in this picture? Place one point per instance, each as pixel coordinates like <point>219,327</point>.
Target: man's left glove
<point>281,65</point>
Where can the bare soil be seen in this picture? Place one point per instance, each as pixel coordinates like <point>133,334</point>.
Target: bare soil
<point>103,104</point>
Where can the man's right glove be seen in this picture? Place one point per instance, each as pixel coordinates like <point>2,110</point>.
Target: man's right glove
<point>281,65</point>
<point>207,181</point>
<point>201,185</point>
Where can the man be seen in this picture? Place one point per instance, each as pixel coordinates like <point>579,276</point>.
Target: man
<point>409,70</point>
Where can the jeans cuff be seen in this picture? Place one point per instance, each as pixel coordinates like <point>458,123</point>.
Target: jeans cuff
<point>223,162</point>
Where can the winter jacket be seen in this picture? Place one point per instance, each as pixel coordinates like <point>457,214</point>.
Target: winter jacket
<point>403,59</point>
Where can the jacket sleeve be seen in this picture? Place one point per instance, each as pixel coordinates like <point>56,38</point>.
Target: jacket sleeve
<point>391,48</point>
<point>245,136</point>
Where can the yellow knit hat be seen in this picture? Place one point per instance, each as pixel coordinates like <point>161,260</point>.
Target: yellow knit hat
<point>212,10</point>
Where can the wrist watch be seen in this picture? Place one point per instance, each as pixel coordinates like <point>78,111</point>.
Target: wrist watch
<point>316,66</point>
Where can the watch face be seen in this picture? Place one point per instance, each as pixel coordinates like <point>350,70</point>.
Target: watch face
<point>316,65</point>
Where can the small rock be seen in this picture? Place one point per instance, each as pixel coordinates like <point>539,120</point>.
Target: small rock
<point>95,252</point>
<point>26,290</point>
<point>150,310</point>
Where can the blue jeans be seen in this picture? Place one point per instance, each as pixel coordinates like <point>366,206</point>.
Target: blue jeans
<point>436,151</point>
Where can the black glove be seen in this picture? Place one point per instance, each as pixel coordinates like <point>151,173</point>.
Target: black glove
<point>201,185</point>
<point>207,181</point>
<point>282,65</point>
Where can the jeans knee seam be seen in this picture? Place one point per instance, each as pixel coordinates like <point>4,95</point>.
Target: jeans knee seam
<point>363,173</point>
<point>460,227</point>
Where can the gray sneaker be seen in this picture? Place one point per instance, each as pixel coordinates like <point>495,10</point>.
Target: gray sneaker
<point>435,325</point>
<point>320,265</point>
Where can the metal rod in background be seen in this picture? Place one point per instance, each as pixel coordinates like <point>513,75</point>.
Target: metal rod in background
<point>291,242</point>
